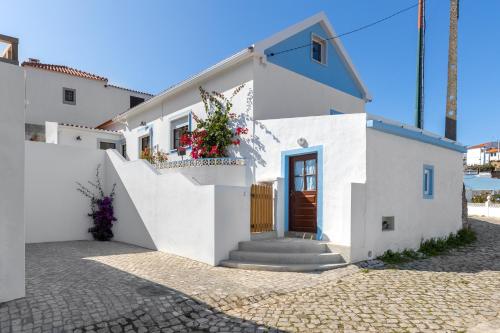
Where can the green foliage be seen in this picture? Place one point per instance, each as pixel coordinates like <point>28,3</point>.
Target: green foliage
<point>483,197</point>
<point>482,168</point>
<point>407,255</point>
<point>215,133</point>
<point>431,247</point>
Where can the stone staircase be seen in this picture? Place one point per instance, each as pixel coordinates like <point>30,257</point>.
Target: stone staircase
<point>285,255</point>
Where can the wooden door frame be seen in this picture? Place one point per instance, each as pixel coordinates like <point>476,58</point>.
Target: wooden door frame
<point>285,172</point>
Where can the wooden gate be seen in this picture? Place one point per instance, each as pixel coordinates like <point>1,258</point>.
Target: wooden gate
<point>261,208</point>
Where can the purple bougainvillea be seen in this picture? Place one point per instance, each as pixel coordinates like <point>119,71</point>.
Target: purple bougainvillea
<point>101,206</point>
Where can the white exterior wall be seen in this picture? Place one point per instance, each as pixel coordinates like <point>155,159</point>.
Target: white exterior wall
<point>95,102</point>
<point>89,138</point>
<point>173,213</point>
<point>11,182</point>
<point>160,115</point>
<point>394,187</point>
<point>55,210</point>
<point>281,93</point>
<point>476,156</point>
<point>343,138</point>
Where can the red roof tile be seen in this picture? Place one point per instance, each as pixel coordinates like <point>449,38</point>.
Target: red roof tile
<point>131,90</point>
<point>64,70</point>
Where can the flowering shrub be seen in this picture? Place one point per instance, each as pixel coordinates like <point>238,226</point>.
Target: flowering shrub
<point>154,157</point>
<point>214,134</point>
<point>101,207</point>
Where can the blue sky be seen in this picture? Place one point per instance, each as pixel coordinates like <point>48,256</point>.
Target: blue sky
<point>150,45</point>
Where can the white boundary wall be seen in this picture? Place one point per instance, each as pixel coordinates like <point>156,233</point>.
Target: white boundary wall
<point>483,209</point>
<point>55,210</point>
<point>172,212</point>
<point>11,182</point>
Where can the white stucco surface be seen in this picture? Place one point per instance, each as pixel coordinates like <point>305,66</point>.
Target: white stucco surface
<point>394,187</point>
<point>55,211</point>
<point>11,182</point>
<point>160,116</point>
<point>343,140</point>
<point>488,210</point>
<point>95,102</point>
<point>281,93</point>
<point>171,213</point>
<point>80,136</point>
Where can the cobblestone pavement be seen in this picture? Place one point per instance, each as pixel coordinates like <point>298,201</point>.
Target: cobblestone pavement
<point>115,287</point>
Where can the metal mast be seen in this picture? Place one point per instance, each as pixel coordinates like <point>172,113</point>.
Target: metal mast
<point>451,96</point>
<point>419,105</point>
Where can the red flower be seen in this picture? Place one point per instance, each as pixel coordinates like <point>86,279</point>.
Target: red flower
<point>241,130</point>
<point>214,150</point>
<point>185,140</point>
<point>236,142</point>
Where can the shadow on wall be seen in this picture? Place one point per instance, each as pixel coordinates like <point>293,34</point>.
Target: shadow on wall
<point>481,256</point>
<point>62,276</point>
<point>252,146</point>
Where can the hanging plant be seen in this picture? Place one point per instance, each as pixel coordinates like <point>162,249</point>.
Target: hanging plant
<point>215,133</point>
<point>101,207</point>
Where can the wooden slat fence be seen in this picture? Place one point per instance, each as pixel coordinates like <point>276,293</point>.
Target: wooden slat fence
<point>261,208</point>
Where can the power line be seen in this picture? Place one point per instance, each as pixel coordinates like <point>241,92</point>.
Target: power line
<point>272,54</point>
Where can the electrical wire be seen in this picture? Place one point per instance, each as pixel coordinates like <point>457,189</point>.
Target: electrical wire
<point>272,54</point>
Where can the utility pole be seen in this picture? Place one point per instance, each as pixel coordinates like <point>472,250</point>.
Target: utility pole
<point>419,105</point>
<point>451,96</point>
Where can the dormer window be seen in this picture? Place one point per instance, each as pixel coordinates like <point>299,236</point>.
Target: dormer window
<point>318,50</point>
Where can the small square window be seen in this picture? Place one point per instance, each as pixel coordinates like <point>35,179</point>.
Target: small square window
<point>428,182</point>
<point>69,96</point>
<point>318,50</point>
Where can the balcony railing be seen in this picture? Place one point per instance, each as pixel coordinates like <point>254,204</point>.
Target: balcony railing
<point>201,162</point>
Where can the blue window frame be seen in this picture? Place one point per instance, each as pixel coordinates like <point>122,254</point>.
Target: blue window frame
<point>428,182</point>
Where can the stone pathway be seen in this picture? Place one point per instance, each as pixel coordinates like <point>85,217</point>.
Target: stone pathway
<point>115,287</point>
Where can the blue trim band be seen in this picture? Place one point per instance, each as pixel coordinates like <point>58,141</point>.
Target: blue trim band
<point>285,170</point>
<point>413,135</point>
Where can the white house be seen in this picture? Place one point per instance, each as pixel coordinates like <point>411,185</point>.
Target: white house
<point>340,174</point>
<point>62,94</point>
<point>483,153</point>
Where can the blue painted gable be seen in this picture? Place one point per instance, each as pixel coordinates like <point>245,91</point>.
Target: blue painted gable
<point>334,73</point>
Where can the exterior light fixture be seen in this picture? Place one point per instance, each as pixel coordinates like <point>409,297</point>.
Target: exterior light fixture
<point>302,142</point>
<point>78,138</point>
<point>143,123</point>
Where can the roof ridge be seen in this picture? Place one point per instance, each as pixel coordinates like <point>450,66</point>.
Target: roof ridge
<point>64,69</point>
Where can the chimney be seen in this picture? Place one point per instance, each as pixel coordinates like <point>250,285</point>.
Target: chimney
<point>34,60</point>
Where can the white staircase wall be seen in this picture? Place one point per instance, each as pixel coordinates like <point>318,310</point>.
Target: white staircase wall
<point>173,213</point>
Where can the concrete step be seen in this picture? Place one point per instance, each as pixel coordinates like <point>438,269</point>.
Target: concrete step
<point>280,268</point>
<point>281,258</point>
<point>285,245</point>
<point>301,235</point>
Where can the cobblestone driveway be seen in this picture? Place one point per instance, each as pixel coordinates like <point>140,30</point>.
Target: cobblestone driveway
<point>114,287</point>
